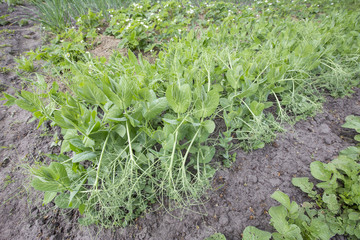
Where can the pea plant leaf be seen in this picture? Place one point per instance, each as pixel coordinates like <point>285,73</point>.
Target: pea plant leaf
<point>209,125</point>
<point>257,107</point>
<point>233,77</point>
<point>83,156</point>
<point>10,99</point>
<point>154,108</point>
<point>48,197</point>
<point>252,233</point>
<point>179,97</point>
<point>91,93</point>
<point>51,179</point>
<point>251,90</point>
<point>206,103</point>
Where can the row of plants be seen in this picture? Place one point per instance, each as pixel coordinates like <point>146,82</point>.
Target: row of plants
<point>134,133</point>
<point>335,209</point>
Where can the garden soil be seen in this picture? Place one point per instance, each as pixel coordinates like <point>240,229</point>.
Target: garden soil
<point>239,196</point>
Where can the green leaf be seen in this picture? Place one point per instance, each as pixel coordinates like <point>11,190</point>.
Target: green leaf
<point>252,233</point>
<point>354,216</point>
<point>320,229</point>
<point>352,122</point>
<point>83,156</point>
<point>47,186</point>
<point>132,58</point>
<point>179,98</point>
<point>88,142</point>
<point>206,104</point>
<point>249,91</point>
<point>216,236</point>
<point>206,153</point>
<point>351,152</point>
<point>61,173</point>
<point>319,172</point>
<point>233,77</point>
<point>49,196</point>
<point>169,142</point>
<point>281,198</point>
<point>82,208</point>
<point>113,97</point>
<point>209,125</point>
<point>305,186</point>
<point>278,89</point>
<point>155,108</point>
<point>26,105</point>
<point>10,99</point>
<point>331,201</point>
<point>257,107</point>
<point>62,201</point>
<point>120,129</point>
<point>62,121</point>
<point>91,93</point>
<point>357,137</point>
<point>278,218</point>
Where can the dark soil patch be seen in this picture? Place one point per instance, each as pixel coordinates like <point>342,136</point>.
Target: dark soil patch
<point>239,197</point>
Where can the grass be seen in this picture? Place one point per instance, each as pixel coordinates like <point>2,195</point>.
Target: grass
<point>135,133</point>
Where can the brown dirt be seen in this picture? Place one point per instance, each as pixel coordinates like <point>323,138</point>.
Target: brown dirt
<point>240,195</point>
<point>106,46</point>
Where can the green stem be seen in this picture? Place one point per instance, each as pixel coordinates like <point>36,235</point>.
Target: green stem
<point>100,161</point>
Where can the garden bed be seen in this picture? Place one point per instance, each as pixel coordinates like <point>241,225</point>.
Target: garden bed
<point>239,196</point>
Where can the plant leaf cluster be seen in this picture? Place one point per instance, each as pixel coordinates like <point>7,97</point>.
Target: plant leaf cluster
<point>336,206</point>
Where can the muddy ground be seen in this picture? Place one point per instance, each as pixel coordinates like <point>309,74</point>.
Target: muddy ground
<point>239,196</point>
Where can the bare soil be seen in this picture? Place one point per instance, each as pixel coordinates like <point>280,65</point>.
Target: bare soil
<point>239,196</point>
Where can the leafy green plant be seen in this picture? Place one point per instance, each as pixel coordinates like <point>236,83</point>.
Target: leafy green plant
<point>136,132</point>
<point>336,206</point>
<point>353,122</point>
<point>25,64</point>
